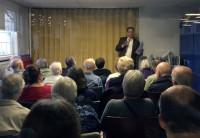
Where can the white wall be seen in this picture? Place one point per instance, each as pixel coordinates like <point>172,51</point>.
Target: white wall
<point>159,29</point>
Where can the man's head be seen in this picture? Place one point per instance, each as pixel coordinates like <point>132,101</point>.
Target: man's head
<point>163,69</point>
<point>70,61</point>
<point>133,84</point>
<point>89,65</point>
<point>124,64</point>
<point>42,63</point>
<point>65,88</point>
<point>130,32</point>
<point>182,75</point>
<point>180,111</point>
<point>56,68</point>
<point>12,86</point>
<point>155,64</point>
<point>17,64</point>
<point>100,62</point>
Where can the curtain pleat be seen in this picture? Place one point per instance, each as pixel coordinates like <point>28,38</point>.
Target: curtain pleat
<point>81,33</point>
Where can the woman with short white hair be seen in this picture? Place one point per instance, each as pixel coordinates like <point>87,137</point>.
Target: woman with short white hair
<point>66,88</point>
<point>145,68</point>
<point>56,71</point>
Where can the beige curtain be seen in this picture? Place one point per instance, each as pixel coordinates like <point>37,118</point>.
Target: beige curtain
<point>82,33</point>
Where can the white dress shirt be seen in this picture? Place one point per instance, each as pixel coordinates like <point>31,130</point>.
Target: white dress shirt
<point>130,46</point>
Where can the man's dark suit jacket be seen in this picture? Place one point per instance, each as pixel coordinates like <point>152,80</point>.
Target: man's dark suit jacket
<point>122,51</point>
<point>161,84</point>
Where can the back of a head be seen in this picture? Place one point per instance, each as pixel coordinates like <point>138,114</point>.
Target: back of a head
<point>56,68</point>
<point>144,64</point>
<point>42,63</point>
<point>77,74</point>
<point>133,83</point>
<point>53,118</point>
<point>100,62</point>
<point>182,75</point>
<point>31,74</point>
<point>164,69</point>
<point>155,63</point>
<point>89,64</point>
<point>70,61</point>
<point>65,88</point>
<point>16,63</point>
<point>124,64</point>
<point>12,86</point>
<point>180,109</point>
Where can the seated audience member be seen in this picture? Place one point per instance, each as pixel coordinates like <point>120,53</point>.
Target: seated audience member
<point>66,88</point>
<point>116,74</point>
<point>100,71</point>
<point>145,68</point>
<point>92,79</point>
<point>51,119</point>
<point>34,89</point>
<point>12,114</point>
<point>152,78</point>
<point>164,81</point>
<point>9,69</point>
<point>70,62</point>
<point>180,112</point>
<point>42,63</point>
<point>182,75</point>
<point>131,105</point>
<point>17,66</point>
<point>56,71</point>
<point>124,64</point>
<point>77,74</point>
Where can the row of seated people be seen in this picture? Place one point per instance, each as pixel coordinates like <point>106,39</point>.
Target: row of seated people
<point>174,108</point>
<point>33,78</point>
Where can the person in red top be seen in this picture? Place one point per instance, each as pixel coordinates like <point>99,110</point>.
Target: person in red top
<point>34,90</point>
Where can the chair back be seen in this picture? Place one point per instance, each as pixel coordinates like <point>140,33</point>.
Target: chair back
<point>122,127</point>
<point>98,91</point>
<point>91,135</point>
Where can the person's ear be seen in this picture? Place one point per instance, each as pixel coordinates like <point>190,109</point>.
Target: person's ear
<point>161,121</point>
<point>41,77</point>
<point>174,82</point>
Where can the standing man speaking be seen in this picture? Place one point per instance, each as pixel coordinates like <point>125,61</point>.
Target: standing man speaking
<point>127,46</point>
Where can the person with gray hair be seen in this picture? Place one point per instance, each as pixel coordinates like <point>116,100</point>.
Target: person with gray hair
<point>56,71</point>
<point>145,68</point>
<point>17,65</point>
<point>9,70</point>
<point>182,75</point>
<point>66,88</point>
<point>12,113</point>
<point>42,63</point>
<point>124,64</point>
<point>70,62</point>
<point>92,79</point>
<point>132,105</point>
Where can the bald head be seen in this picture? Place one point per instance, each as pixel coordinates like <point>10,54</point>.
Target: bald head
<point>182,75</point>
<point>89,65</point>
<point>180,110</point>
<point>17,64</point>
<point>163,69</point>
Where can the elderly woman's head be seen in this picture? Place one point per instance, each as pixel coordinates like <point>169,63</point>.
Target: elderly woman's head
<point>32,74</point>
<point>125,64</point>
<point>56,68</point>
<point>65,88</point>
<point>133,83</point>
<point>144,64</point>
<point>42,63</point>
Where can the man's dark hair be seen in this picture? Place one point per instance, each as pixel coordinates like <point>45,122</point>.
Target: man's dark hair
<point>51,118</point>
<point>69,61</point>
<point>180,109</point>
<point>100,62</point>
<point>130,28</point>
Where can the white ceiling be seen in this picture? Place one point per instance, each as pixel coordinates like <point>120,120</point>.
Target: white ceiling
<point>106,3</point>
